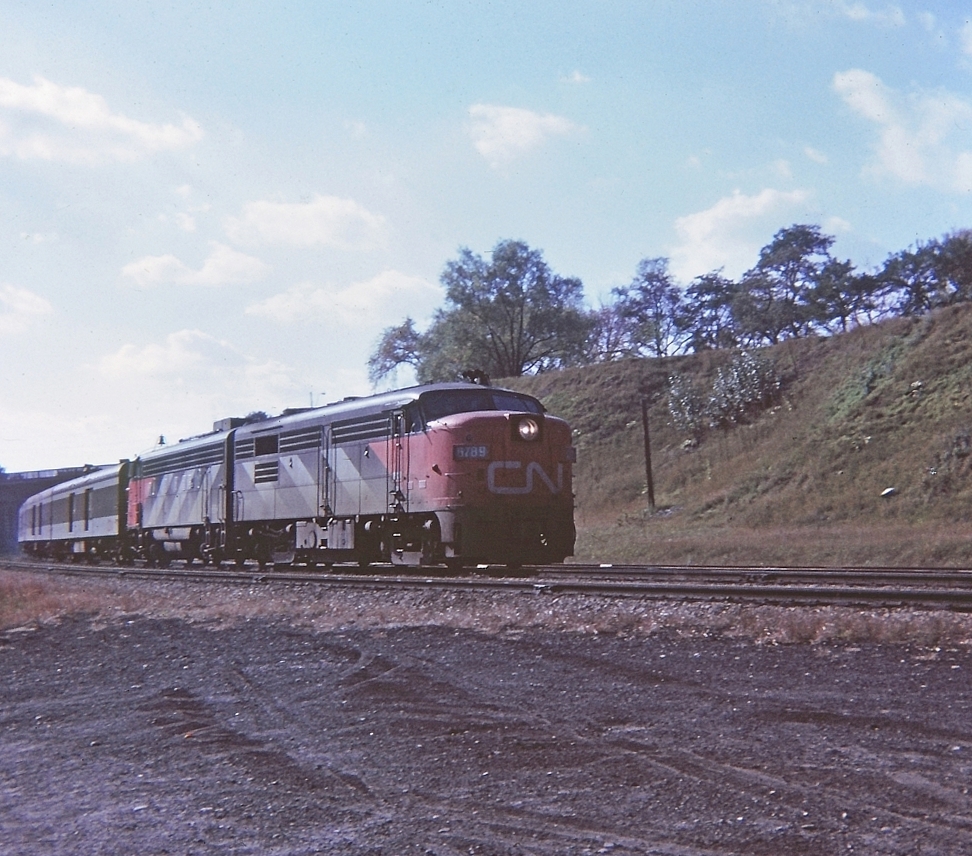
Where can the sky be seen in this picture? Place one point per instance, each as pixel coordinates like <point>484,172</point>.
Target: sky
<point>212,208</point>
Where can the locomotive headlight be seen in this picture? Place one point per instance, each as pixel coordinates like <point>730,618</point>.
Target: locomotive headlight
<point>528,429</point>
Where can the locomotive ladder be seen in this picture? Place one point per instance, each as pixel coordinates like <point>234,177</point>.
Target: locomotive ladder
<point>397,498</point>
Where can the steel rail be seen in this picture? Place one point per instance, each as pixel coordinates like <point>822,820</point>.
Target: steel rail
<point>843,576</point>
<point>739,589</point>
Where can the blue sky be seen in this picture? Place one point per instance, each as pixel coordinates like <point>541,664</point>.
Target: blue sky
<point>209,209</point>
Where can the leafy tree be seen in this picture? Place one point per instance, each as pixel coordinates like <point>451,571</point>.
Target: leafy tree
<point>609,338</point>
<point>774,300</point>
<point>838,298</point>
<point>706,313</point>
<point>934,273</point>
<point>455,342</point>
<point>509,316</point>
<point>651,306</point>
<point>397,346</point>
<point>953,262</point>
<point>911,278</point>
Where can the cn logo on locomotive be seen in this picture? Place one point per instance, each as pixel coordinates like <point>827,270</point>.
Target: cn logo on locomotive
<point>532,468</point>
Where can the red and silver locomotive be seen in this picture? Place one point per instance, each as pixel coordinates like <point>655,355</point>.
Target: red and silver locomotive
<point>445,473</point>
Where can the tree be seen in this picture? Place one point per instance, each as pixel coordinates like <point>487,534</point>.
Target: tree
<point>609,338</point>
<point>397,346</point>
<point>509,316</point>
<point>953,260</point>
<point>775,298</point>
<point>911,278</point>
<point>651,306</point>
<point>838,297</point>
<point>706,314</point>
<point>935,273</point>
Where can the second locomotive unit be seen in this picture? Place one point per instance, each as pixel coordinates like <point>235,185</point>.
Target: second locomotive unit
<point>443,473</point>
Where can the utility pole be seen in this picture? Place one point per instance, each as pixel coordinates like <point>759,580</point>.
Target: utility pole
<point>648,474</point>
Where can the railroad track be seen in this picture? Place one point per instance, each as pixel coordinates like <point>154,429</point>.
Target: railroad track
<point>891,587</point>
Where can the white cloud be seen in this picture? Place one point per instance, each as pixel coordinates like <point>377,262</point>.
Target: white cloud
<point>387,297</point>
<point>501,134</point>
<point>19,307</point>
<point>930,23</point>
<point>39,237</point>
<point>889,16</point>
<point>223,266</point>
<point>176,385</point>
<point>730,233</point>
<point>924,138</point>
<point>192,360</point>
<point>575,77</point>
<point>180,354</point>
<point>965,36</point>
<point>191,373</point>
<point>815,155</point>
<point>324,221</point>
<point>47,121</point>
<point>837,225</point>
<point>806,13</point>
<point>782,168</point>
<point>185,219</point>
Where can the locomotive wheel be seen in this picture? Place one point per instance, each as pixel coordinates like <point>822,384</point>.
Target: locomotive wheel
<point>157,557</point>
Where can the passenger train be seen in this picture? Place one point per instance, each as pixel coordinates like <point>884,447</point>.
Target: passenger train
<point>455,474</point>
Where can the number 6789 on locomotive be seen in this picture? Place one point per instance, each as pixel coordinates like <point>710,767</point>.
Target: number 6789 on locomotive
<point>444,473</point>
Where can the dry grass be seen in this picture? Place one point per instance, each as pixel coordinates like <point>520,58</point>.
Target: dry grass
<point>29,600</point>
<point>888,406</point>
<point>672,539</point>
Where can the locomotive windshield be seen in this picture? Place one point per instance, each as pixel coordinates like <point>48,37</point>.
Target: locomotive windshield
<point>446,402</point>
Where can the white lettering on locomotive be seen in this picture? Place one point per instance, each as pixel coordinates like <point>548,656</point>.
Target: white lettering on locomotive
<point>531,468</point>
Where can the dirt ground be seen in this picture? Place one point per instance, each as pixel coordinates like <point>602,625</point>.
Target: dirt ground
<point>175,733</point>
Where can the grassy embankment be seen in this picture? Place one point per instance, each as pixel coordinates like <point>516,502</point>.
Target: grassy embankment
<point>886,406</point>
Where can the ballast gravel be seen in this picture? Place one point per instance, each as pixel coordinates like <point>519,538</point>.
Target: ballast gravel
<point>257,733</point>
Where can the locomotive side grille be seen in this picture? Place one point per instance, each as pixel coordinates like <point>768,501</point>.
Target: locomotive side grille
<point>368,428</point>
<point>244,448</point>
<point>298,441</point>
<point>266,472</point>
<point>201,457</point>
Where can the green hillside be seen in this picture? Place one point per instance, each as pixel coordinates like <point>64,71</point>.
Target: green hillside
<point>807,480</point>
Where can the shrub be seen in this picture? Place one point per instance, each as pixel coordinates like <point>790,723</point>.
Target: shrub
<point>744,387</point>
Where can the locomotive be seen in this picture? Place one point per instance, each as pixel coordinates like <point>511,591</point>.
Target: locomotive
<point>455,474</point>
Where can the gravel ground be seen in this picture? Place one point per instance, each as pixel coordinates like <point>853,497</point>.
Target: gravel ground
<point>251,729</point>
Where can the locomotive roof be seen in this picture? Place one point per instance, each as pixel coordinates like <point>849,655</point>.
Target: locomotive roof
<point>97,476</point>
<point>347,408</point>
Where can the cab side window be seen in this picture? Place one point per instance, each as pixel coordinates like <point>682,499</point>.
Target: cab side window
<point>413,419</point>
